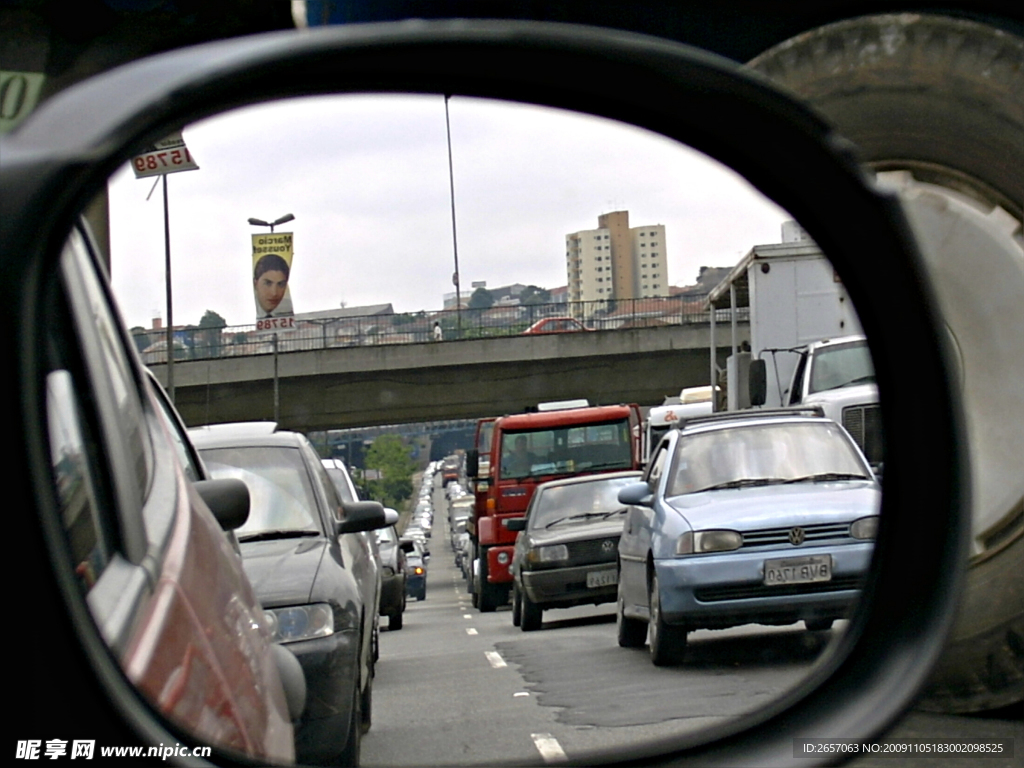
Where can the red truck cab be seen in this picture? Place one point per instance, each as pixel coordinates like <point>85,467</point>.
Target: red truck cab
<point>556,441</point>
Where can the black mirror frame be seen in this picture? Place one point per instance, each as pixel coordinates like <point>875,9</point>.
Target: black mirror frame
<point>62,156</point>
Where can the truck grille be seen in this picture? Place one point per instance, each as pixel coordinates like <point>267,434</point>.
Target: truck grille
<point>864,423</point>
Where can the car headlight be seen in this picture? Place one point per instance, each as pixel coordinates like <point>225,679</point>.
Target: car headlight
<point>503,558</point>
<point>708,541</point>
<point>300,622</point>
<point>865,528</point>
<point>550,554</point>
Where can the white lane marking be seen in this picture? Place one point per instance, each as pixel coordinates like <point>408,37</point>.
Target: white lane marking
<point>467,616</point>
<point>550,750</point>
<point>495,658</point>
<point>471,631</point>
<point>517,694</point>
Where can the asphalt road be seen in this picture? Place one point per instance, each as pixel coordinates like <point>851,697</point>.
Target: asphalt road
<point>458,687</point>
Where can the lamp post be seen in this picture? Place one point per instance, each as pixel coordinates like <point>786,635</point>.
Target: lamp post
<point>277,382</point>
<point>277,222</point>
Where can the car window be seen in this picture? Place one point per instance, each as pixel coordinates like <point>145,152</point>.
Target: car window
<point>577,502</point>
<point>280,492</point>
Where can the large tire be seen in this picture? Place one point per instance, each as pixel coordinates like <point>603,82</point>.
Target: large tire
<point>942,101</point>
<point>395,621</point>
<point>489,596</point>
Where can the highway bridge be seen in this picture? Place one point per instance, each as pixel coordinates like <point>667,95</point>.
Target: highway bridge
<point>394,384</point>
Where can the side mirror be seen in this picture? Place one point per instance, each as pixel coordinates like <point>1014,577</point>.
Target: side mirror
<point>360,516</point>
<point>516,524</point>
<point>472,462</point>
<point>228,499</point>
<point>757,382</point>
<point>636,494</point>
<point>390,516</point>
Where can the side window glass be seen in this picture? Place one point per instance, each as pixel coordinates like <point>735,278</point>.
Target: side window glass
<point>656,467</point>
<point>178,440</point>
<point>110,371</point>
<point>90,538</point>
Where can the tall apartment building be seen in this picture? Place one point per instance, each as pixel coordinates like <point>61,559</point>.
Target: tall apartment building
<point>615,261</point>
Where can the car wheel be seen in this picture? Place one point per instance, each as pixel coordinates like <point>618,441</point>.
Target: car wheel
<point>532,614</point>
<point>818,625</point>
<point>950,122</point>
<point>632,633</point>
<point>395,620</point>
<point>349,755</point>
<point>517,606</point>
<point>366,706</point>
<point>667,643</point>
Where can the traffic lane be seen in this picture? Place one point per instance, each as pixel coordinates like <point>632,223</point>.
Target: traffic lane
<point>439,698</point>
<point>580,669</point>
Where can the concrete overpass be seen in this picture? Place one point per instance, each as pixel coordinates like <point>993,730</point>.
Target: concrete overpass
<point>393,384</point>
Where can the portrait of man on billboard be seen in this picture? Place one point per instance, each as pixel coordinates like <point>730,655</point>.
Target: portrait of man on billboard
<point>271,269</point>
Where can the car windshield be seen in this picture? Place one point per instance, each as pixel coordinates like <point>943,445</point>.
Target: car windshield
<point>280,492</point>
<point>566,449</point>
<point>841,366</point>
<point>577,502</point>
<point>763,454</point>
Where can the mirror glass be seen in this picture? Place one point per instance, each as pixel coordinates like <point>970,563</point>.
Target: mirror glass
<point>437,263</point>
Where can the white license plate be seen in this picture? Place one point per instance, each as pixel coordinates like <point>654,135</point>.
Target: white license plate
<point>602,578</point>
<point>798,570</point>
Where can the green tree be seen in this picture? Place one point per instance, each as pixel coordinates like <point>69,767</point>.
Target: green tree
<point>481,299</point>
<point>532,294</point>
<point>206,340</point>
<point>392,459</point>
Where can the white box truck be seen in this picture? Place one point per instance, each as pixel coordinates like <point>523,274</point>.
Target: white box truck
<point>806,347</point>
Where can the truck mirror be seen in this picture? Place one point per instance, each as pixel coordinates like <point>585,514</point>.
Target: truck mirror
<point>758,382</point>
<point>472,462</point>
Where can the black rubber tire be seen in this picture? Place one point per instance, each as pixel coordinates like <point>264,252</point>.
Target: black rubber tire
<point>944,99</point>
<point>488,597</point>
<point>395,621</point>
<point>667,643</point>
<point>632,633</point>
<point>532,614</point>
<point>349,755</point>
<point>818,625</point>
<point>517,606</point>
<point>366,707</point>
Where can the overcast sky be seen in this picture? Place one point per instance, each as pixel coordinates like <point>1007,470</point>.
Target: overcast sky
<point>367,181</point>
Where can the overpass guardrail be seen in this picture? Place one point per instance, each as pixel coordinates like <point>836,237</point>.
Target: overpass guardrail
<point>322,331</point>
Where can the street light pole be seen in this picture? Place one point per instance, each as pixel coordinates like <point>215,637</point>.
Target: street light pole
<point>277,379</point>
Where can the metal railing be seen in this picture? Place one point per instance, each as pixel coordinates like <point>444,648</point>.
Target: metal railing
<point>195,343</point>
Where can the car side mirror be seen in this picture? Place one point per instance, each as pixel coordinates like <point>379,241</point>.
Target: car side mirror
<point>360,516</point>
<point>516,524</point>
<point>227,498</point>
<point>757,382</point>
<point>636,494</point>
<point>390,516</point>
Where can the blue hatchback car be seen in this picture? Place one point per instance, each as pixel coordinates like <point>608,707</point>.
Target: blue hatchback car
<point>765,517</point>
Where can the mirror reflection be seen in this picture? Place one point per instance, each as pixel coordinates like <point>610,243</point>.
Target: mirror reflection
<point>520,328</point>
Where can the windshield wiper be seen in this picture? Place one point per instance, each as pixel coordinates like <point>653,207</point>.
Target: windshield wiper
<point>746,482</point>
<point>581,516</point>
<point>862,380</point>
<point>278,534</point>
<point>825,477</point>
